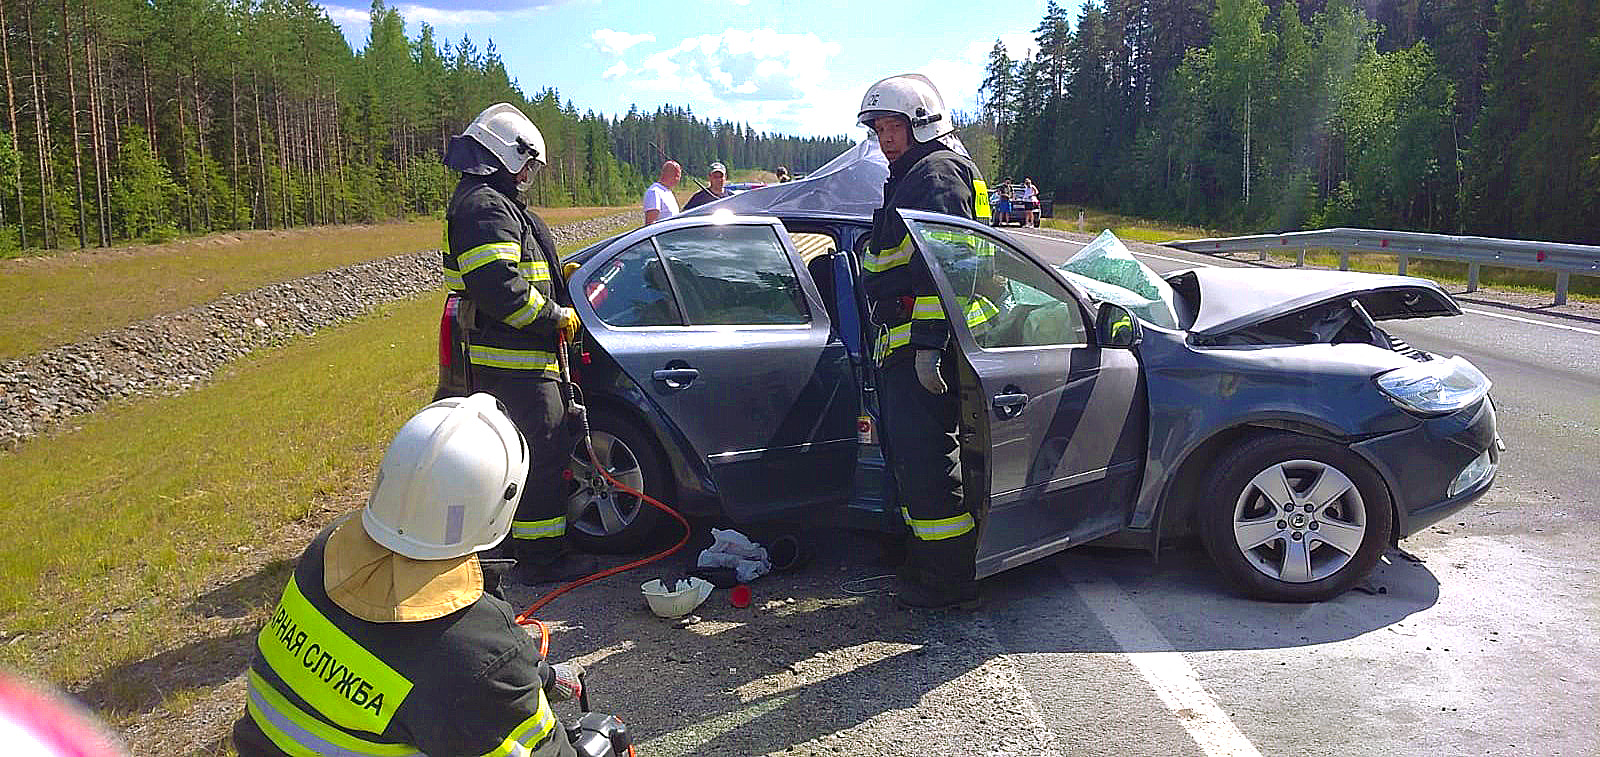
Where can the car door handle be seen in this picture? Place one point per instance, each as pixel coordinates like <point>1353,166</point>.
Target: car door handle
<point>1009,405</point>
<point>676,378</point>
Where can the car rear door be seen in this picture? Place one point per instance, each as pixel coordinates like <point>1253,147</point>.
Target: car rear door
<point>717,322</point>
<point>1062,420</point>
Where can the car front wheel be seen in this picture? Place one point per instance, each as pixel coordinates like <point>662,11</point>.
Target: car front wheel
<point>604,518</point>
<point>1293,518</point>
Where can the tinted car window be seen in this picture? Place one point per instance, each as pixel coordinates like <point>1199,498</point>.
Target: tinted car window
<point>733,275</point>
<point>1010,301</point>
<point>631,289</point>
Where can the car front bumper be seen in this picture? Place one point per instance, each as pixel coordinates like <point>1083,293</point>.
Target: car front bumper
<point>1420,463</point>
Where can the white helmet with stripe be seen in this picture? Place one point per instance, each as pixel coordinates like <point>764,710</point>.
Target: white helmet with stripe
<point>912,96</point>
<point>449,482</point>
<point>506,132</point>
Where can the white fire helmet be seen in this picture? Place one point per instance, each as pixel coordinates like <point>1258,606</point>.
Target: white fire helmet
<point>504,131</point>
<point>912,96</point>
<point>449,482</point>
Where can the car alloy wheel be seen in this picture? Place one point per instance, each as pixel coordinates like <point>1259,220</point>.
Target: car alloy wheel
<point>594,506</point>
<point>600,516</point>
<point>1299,521</point>
<point>1293,518</point>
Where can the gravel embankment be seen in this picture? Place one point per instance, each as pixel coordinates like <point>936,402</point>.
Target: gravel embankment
<point>174,351</point>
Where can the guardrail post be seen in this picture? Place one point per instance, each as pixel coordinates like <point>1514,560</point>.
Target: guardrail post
<point>1300,260</point>
<point>1561,288</point>
<point>1403,260</point>
<point>1262,256</point>
<point>1472,277</point>
<point>1344,260</point>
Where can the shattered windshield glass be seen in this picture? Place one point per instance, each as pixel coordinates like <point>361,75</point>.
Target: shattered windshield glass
<point>1106,270</point>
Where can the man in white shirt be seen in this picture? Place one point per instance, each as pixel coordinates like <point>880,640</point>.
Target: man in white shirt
<point>659,204</point>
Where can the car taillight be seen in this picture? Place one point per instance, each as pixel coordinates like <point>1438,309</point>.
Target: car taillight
<point>446,358</point>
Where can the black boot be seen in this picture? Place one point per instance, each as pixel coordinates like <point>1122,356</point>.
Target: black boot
<point>543,565</point>
<point>942,574</point>
<point>915,595</point>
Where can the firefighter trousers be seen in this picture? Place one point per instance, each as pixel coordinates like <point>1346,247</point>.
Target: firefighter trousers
<point>534,403</point>
<point>919,430</point>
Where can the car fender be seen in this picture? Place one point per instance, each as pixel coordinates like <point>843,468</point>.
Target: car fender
<point>1203,399</point>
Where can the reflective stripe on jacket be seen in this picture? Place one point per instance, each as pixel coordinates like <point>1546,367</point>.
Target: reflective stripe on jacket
<point>502,257</point>
<point>324,682</point>
<point>929,177</point>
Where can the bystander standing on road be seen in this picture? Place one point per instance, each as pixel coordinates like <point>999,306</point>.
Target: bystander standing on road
<point>659,204</point>
<point>717,190</point>
<point>1030,202</point>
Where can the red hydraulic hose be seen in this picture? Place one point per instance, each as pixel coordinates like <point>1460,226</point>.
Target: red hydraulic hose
<point>526,617</point>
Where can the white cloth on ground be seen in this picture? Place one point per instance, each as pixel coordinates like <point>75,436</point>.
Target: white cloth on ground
<point>731,549</point>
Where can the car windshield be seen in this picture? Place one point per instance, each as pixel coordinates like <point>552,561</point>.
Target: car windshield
<point>1108,272</point>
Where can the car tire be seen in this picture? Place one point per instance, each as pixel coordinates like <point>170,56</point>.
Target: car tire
<point>1270,497</point>
<point>600,517</point>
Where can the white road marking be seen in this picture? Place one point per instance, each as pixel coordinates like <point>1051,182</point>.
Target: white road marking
<point>1474,311</point>
<point>1533,321</point>
<point>1167,671</point>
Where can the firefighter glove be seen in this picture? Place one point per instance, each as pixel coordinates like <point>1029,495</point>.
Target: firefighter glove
<point>928,372</point>
<point>567,322</point>
<point>565,682</point>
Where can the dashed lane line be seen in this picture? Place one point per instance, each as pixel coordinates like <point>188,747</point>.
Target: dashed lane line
<point>1174,681</point>
<point>1474,311</point>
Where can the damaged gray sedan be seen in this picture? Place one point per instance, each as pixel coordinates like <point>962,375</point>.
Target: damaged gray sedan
<point>728,369</point>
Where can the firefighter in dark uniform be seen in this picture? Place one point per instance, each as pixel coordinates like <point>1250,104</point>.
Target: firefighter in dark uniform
<point>391,637</point>
<point>927,171</point>
<point>502,258</point>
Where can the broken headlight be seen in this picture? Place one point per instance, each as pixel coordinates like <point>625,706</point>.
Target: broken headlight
<point>1436,386</point>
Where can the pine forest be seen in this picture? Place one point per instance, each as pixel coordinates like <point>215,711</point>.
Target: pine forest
<point>1450,116</point>
<point>144,120</point>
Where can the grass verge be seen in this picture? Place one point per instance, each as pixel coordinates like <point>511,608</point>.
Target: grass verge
<point>144,546</point>
<point>52,300</point>
<point>1126,227</point>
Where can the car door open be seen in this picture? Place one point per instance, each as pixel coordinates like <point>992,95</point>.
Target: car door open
<point>1062,421</point>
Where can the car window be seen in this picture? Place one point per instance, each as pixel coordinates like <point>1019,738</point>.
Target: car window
<point>733,275</point>
<point>631,289</point>
<point>1009,301</point>
<point>811,244</point>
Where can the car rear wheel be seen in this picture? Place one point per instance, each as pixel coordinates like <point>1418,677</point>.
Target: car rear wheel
<point>1293,518</point>
<point>601,517</point>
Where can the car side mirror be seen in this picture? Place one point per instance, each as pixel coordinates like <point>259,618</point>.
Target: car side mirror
<point>1115,326</point>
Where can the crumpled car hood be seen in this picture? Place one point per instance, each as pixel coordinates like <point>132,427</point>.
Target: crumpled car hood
<point>1237,298</point>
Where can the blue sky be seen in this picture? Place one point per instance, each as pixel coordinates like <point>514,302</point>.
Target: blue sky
<point>790,67</point>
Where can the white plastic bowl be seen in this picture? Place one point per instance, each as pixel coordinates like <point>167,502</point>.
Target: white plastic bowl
<point>678,601</point>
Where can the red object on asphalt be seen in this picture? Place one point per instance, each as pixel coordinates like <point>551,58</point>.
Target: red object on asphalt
<point>739,596</point>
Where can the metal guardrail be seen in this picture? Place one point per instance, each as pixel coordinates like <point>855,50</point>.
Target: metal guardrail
<point>1554,257</point>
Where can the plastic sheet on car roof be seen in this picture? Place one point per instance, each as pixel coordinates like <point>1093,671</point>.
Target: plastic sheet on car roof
<point>850,185</point>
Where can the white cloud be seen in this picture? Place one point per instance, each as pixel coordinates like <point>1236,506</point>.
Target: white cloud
<point>340,15</point>
<point>1019,45</point>
<point>736,64</point>
<point>773,81</point>
<point>613,42</point>
<point>617,71</point>
<point>958,78</point>
<point>442,17</point>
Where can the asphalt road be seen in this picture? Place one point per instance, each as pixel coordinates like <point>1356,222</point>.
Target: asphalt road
<point>1484,644</point>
